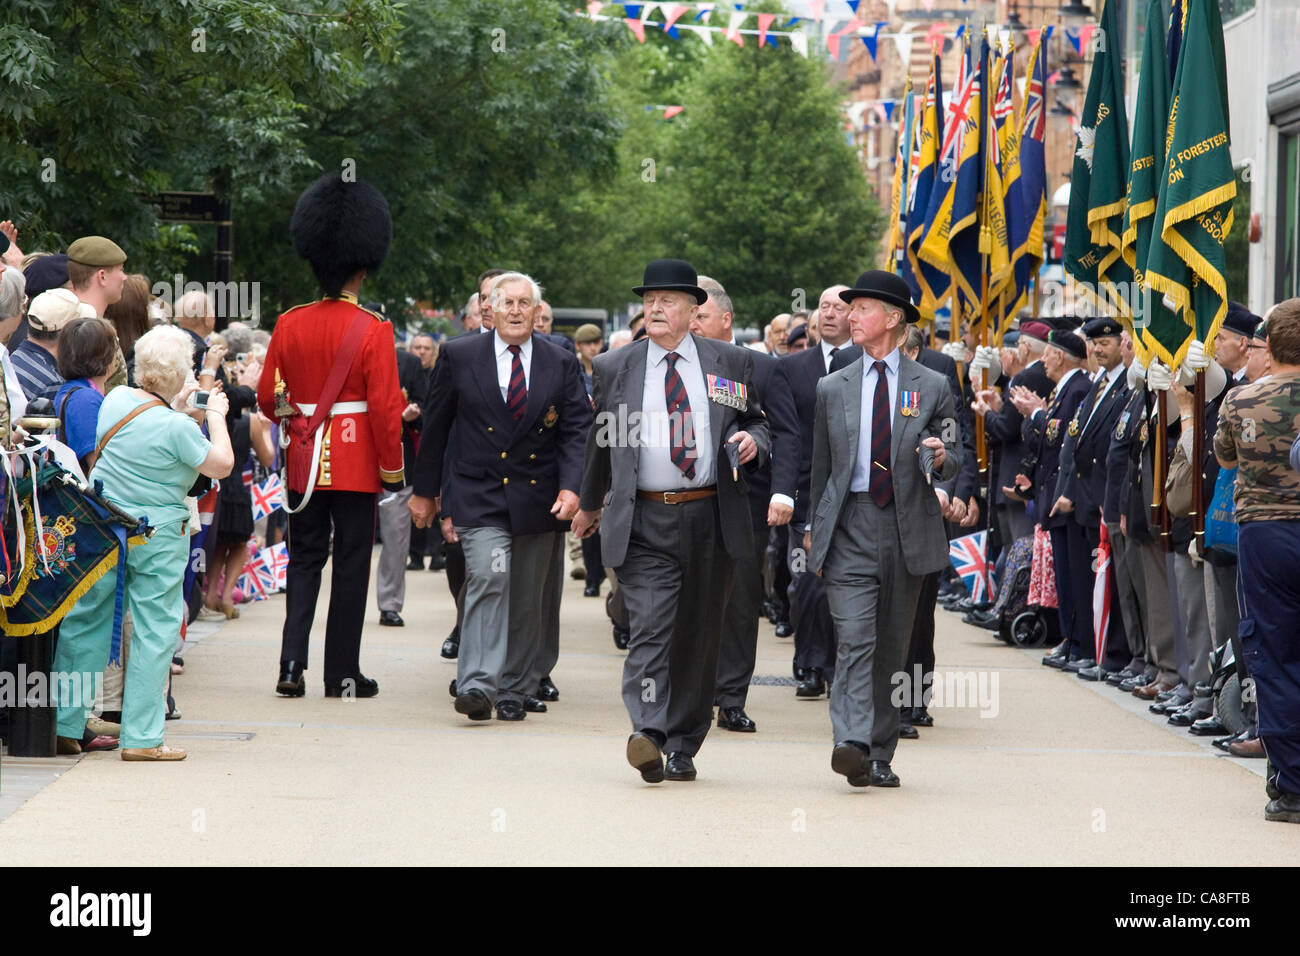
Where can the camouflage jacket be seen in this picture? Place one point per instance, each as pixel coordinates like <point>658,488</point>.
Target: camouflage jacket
<point>1257,425</point>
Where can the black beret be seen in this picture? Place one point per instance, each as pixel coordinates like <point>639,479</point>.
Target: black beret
<point>1241,320</point>
<point>1068,342</point>
<point>45,273</point>
<point>797,333</point>
<point>1101,326</point>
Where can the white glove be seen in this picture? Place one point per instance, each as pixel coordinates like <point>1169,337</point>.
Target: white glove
<point>1159,378</point>
<point>1194,361</point>
<point>1137,373</point>
<point>987,359</point>
<point>957,352</point>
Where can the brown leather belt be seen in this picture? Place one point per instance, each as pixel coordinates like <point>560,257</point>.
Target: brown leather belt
<point>678,497</point>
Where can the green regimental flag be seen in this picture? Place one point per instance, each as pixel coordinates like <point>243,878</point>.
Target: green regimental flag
<point>1094,225</point>
<point>1186,262</point>
<point>1162,333</point>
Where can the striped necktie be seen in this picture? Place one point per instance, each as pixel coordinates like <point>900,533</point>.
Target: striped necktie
<point>517,393</point>
<point>682,428</point>
<point>880,484</point>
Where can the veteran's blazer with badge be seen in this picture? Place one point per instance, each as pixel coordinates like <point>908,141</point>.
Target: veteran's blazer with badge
<point>610,479</point>
<point>1083,454</point>
<point>504,473</point>
<point>1045,434</point>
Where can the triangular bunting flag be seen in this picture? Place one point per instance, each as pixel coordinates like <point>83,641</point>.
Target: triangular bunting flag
<point>764,22</point>
<point>704,33</point>
<point>833,45</point>
<point>637,27</point>
<point>889,109</point>
<point>853,5</point>
<point>799,41</point>
<point>903,42</point>
<point>935,36</point>
<point>671,17</point>
<point>733,28</point>
<point>816,9</point>
<point>671,111</point>
<point>632,10</point>
<point>593,8</point>
<point>648,9</point>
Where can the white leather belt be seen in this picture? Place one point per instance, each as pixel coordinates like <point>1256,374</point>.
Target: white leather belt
<point>338,408</point>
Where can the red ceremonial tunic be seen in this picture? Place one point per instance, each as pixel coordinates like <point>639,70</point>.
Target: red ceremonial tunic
<point>359,451</point>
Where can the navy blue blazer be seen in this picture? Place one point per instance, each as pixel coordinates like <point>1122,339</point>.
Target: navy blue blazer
<point>504,474</point>
<point>1044,434</point>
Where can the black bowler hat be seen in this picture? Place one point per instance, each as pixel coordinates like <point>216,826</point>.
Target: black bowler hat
<point>1241,320</point>
<point>1102,326</point>
<point>887,287</point>
<point>1068,342</point>
<point>46,273</point>
<point>674,275</point>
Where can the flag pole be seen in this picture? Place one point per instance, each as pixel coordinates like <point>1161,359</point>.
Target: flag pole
<point>1198,461</point>
<point>1159,509</point>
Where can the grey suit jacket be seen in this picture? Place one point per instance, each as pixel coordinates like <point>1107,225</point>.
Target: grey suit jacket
<point>837,422</point>
<point>610,473</point>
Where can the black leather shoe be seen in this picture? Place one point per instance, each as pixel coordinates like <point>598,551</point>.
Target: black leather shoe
<point>853,760</point>
<point>359,686</point>
<point>510,710</point>
<point>591,590</point>
<point>546,690</point>
<point>1284,809</point>
<point>784,629</point>
<point>1198,709</point>
<point>985,619</point>
<point>679,767</point>
<point>534,706</point>
<point>1210,726</point>
<point>451,646</point>
<point>391,619</point>
<point>291,682</point>
<point>882,775</point>
<point>622,636</point>
<point>811,687</point>
<point>1057,656</point>
<point>1176,699</point>
<point>643,754</point>
<point>415,564</point>
<point>921,717</point>
<point>578,572</point>
<point>908,732</point>
<point>1115,678</point>
<point>451,688</point>
<point>1094,673</point>
<point>474,705</point>
<point>1224,742</point>
<point>964,606</point>
<point>1076,664</point>
<point>1133,683</point>
<point>437,563</point>
<point>735,718</point>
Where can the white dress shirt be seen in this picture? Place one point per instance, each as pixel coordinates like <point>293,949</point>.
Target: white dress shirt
<point>1057,389</point>
<point>826,351</point>
<point>1114,375</point>
<point>655,468</point>
<point>505,363</point>
<point>862,466</point>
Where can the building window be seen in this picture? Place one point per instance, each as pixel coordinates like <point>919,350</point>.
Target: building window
<point>1234,8</point>
<point>1288,218</point>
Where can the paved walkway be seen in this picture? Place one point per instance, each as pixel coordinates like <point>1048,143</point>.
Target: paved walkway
<point>1065,773</point>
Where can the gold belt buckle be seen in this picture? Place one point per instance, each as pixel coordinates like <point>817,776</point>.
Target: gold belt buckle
<point>670,498</point>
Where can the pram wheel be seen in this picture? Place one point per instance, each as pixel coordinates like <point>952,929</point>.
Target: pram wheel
<point>1029,630</point>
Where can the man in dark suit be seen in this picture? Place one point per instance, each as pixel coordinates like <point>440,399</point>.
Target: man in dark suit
<point>394,518</point>
<point>676,420</point>
<point>1043,431</point>
<point>1081,492</point>
<point>1002,421</point>
<point>739,644</point>
<point>884,430</point>
<point>798,375</point>
<point>513,407</point>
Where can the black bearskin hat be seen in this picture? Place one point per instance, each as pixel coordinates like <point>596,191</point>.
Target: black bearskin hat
<point>341,227</point>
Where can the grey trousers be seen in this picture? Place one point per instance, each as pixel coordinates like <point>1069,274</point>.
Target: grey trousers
<point>1222,581</point>
<point>1196,618</point>
<point>548,651</point>
<point>1132,594</point>
<point>873,601</point>
<point>1160,622</point>
<point>395,530</point>
<point>675,581</point>
<point>740,628</point>
<point>498,650</point>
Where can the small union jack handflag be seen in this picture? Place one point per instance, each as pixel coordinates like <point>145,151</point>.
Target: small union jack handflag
<point>267,497</point>
<point>971,562</point>
<point>251,586</point>
<point>278,558</point>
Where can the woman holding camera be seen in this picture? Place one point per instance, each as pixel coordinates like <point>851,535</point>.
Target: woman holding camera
<point>150,451</point>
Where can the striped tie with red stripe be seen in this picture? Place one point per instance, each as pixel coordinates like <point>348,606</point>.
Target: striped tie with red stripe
<point>517,393</point>
<point>682,441</point>
<point>881,483</point>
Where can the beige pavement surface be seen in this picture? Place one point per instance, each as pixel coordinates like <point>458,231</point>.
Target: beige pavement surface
<point>1064,772</point>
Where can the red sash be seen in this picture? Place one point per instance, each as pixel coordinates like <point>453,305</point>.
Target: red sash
<point>301,430</point>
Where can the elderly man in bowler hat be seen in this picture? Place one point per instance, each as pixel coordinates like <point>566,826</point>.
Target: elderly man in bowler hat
<point>884,430</point>
<point>672,508</point>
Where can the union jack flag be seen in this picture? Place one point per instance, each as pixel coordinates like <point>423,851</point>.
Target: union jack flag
<point>247,477</point>
<point>972,565</point>
<point>208,506</point>
<point>1033,125</point>
<point>278,558</point>
<point>267,497</point>
<point>251,586</point>
<point>958,109</point>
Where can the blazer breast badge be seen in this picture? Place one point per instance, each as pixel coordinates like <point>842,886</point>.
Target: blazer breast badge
<point>552,416</point>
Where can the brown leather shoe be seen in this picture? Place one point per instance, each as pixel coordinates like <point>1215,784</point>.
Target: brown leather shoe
<point>1155,687</point>
<point>161,752</point>
<point>1254,747</point>
<point>67,746</point>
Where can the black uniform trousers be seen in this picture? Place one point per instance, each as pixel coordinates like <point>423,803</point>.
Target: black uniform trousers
<point>776,553</point>
<point>740,627</point>
<point>351,516</point>
<point>920,650</point>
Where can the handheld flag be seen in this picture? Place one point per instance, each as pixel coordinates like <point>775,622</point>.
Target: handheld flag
<point>970,561</point>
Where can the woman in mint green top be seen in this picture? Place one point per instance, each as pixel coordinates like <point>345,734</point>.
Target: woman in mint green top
<point>147,467</point>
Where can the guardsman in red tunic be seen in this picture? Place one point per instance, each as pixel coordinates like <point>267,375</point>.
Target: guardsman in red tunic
<point>330,381</point>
